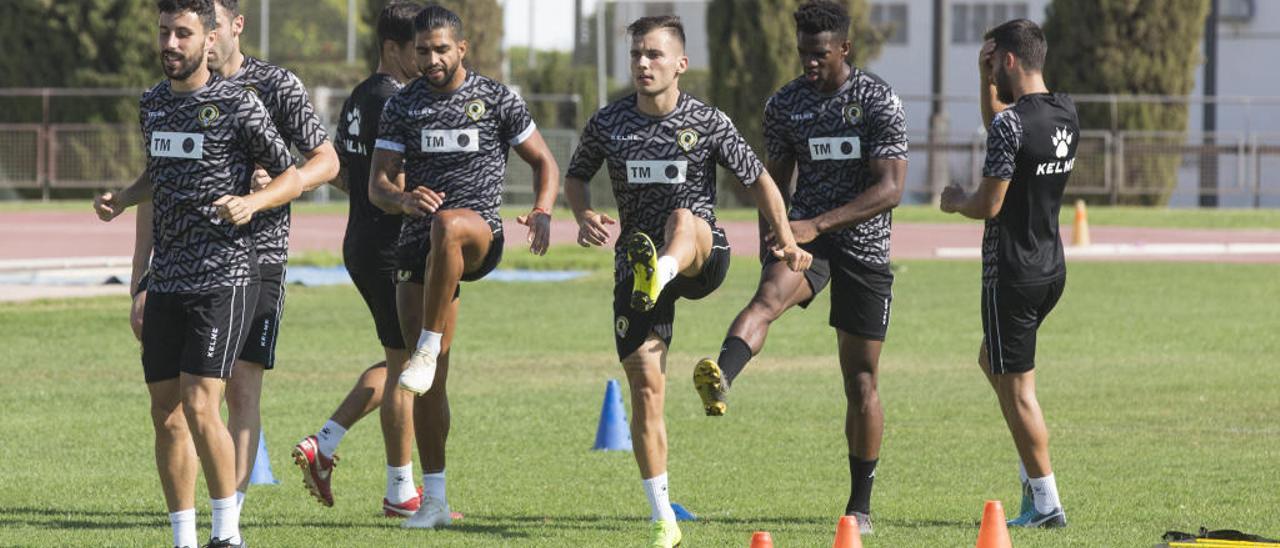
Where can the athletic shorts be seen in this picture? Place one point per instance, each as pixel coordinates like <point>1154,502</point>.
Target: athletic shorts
<point>1011,316</point>
<point>195,333</point>
<point>264,326</point>
<point>631,327</point>
<point>412,262</point>
<point>861,293</point>
<point>369,256</point>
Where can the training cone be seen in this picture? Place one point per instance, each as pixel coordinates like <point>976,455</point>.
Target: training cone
<point>761,539</point>
<point>1080,232</point>
<point>612,434</point>
<point>847,534</point>
<point>261,473</point>
<point>993,533</point>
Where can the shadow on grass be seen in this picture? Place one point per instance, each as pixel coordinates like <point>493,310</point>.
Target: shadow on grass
<point>51,518</point>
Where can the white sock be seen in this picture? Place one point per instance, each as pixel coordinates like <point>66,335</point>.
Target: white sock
<point>433,486</point>
<point>668,269</point>
<point>1045,491</point>
<point>430,340</point>
<point>1022,473</point>
<point>400,483</point>
<point>183,523</point>
<point>328,438</point>
<point>226,519</point>
<point>659,501</point>
<point>239,500</point>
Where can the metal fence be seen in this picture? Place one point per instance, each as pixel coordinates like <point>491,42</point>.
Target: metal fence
<point>1242,168</point>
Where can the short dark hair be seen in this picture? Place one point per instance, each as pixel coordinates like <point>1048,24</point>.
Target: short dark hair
<point>395,23</point>
<point>819,16</point>
<point>232,6</point>
<point>645,25</point>
<point>435,17</point>
<point>1022,38</point>
<point>202,8</point>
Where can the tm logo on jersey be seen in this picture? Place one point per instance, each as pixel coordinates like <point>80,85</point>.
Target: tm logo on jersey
<point>1061,140</point>
<point>451,140</point>
<point>647,172</point>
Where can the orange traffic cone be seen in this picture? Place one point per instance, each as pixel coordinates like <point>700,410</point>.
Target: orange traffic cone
<point>1080,232</point>
<point>847,535</point>
<point>993,533</point>
<point>761,539</point>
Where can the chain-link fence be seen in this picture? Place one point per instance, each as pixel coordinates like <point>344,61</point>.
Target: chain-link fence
<point>1238,167</point>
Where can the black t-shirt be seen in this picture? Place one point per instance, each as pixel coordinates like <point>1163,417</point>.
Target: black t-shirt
<point>1032,144</point>
<point>201,146</point>
<point>357,133</point>
<point>832,138</point>
<point>661,164</point>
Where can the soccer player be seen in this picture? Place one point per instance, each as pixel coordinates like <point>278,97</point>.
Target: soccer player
<point>662,147</point>
<point>203,136</point>
<point>1031,149</point>
<point>450,131</point>
<point>368,249</point>
<point>844,131</point>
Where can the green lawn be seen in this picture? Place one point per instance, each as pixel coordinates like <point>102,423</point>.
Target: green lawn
<point>1159,384</point>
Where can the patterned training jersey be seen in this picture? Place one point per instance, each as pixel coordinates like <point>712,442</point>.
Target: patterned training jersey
<point>202,146</point>
<point>831,138</point>
<point>456,143</point>
<point>357,134</point>
<point>660,164</point>
<point>1032,144</point>
<point>286,99</point>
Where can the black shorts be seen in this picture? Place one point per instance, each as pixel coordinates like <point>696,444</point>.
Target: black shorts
<point>412,262</point>
<point>264,326</point>
<point>861,293</point>
<point>369,256</point>
<point>1011,315</point>
<point>195,333</point>
<point>631,327</point>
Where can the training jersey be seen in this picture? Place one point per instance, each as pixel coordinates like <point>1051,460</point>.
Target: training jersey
<point>201,146</point>
<point>660,164</point>
<point>1032,144</point>
<point>832,138</point>
<point>286,99</point>
<point>456,143</point>
<point>357,135</point>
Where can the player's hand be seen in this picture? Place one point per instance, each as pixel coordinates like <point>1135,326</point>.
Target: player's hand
<point>952,197</point>
<point>591,229</point>
<point>135,313</point>
<point>797,259</point>
<point>260,179</point>
<point>984,59</point>
<point>420,201</point>
<point>107,207</point>
<point>539,223</point>
<point>804,231</point>
<point>234,208</point>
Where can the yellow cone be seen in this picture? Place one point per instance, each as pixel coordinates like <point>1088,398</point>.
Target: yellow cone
<point>1080,234</point>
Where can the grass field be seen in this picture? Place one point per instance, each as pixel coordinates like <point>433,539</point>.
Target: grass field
<point>1159,383</point>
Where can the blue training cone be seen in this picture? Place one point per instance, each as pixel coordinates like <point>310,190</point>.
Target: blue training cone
<point>612,434</point>
<point>261,473</point>
<point>681,513</point>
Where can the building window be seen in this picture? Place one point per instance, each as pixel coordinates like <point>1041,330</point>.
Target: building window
<point>892,19</point>
<point>970,21</point>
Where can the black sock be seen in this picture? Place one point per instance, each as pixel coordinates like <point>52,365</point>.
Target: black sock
<point>734,355</point>
<point>862,474</point>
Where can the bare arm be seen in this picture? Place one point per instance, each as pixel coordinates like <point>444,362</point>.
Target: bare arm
<point>142,245</point>
<point>546,185</point>
<point>109,205</point>
<point>591,224</point>
<point>386,187</point>
<point>769,202</point>
<point>882,196</point>
<point>284,188</point>
<point>321,167</point>
<point>340,182</point>
<point>983,203</point>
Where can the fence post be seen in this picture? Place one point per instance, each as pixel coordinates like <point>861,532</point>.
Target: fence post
<point>1120,171</point>
<point>46,184</point>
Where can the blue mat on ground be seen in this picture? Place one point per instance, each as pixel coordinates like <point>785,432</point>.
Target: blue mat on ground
<point>337,275</point>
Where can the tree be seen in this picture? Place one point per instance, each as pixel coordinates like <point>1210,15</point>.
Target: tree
<point>1129,47</point>
<point>481,22</point>
<point>761,34</point>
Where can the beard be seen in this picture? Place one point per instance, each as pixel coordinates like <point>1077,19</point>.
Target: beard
<point>447,74</point>
<point>185,67</point>
<point>1004,88</point>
